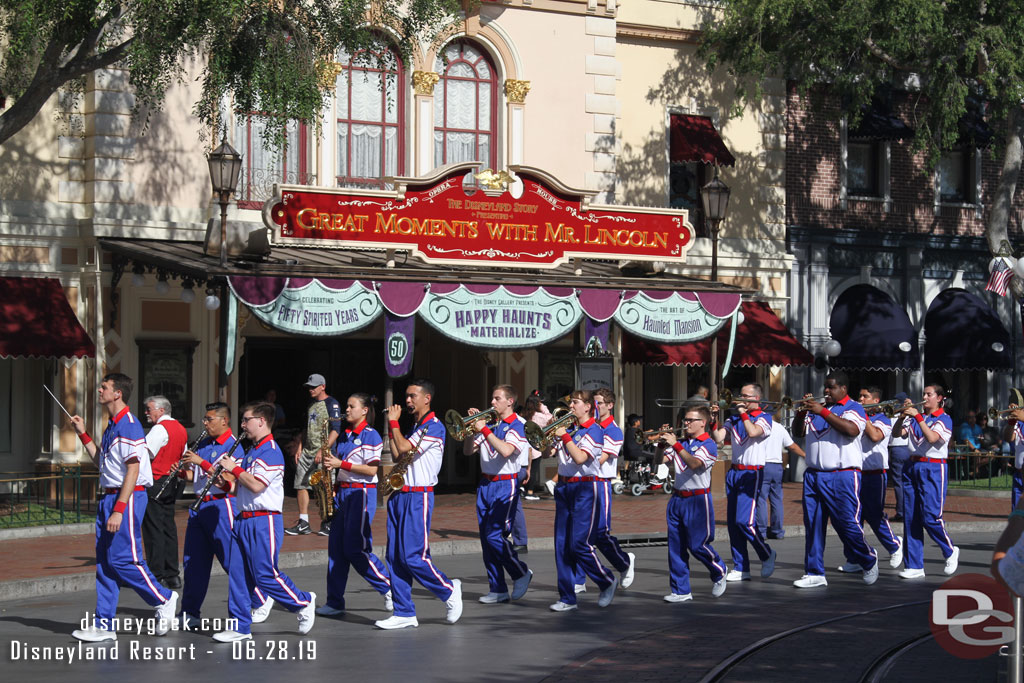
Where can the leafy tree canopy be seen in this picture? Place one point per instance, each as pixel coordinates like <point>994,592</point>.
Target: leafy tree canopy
<point>271,56</point>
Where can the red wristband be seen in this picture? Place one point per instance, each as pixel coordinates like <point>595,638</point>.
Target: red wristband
<point>393,424</point>
<point>566,438</point>
<point>238,471</point>
<point>85,438</point>
<point>346,465</point>
<point>120,507</point>
<point>825,411</point>
<point>486,431</point>
<point>743,415</point>
<point>920,418</point>
<point>678,447</point>
<point>205,466</point>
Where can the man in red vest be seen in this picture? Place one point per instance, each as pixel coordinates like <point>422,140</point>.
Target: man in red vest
<point>165,442</point>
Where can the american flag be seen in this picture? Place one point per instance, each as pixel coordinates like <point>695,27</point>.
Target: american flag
<point>999,281</point>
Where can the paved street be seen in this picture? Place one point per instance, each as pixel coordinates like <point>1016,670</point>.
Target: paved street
<point>639,637</point>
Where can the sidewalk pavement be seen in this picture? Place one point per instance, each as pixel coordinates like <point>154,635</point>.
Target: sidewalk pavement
<point>57,562</point>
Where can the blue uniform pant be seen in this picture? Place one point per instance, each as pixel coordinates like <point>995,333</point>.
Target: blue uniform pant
<point>898,458</point>
<point>255,546</point>
<point>872,500</point>
<point>120,560</point>
<point>1018,486</point>
<point>769,500</point>
<point>691,529</point>
<point>574,523</point>
<point>924,495</point>
<point>602,538</point>
<point>518,522</point>
<point>350,543</point>
<point>836,496</point>
<point>741,489</point>
<point>207,535</point>
<point>409,514</point>
<point>495,506</point>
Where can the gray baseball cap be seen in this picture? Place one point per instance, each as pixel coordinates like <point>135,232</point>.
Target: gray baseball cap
<point>315,380</point>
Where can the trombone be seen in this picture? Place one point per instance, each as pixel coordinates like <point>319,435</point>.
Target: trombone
<point>724,401</point>
<point>461,427</point>
<point>541,438</point>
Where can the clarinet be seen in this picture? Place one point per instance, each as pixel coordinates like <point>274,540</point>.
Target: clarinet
<point>172,473</point>
<point>212,475</point>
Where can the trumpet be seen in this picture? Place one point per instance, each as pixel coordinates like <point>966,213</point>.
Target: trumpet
<point>996,414</point>
<point>542,438</point>
<point>888,408</point>
<point>172,474</point>
<point>460,427</point>
<point>642,437</point>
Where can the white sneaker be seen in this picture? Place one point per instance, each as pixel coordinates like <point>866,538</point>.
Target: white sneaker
<point>165,614</point>
<point>896,559</point>
<point>395,621</point>
<point>608,594</point>
<point>677,597</point>
<point>492,598</point>
<point>580,588</point>
<point>454,603</point>
<point>627,576</point>
<point>307,615</point>
<point>328,611</point>
<point>231,636</point>
<point>768,566</point>
<point>718,587</point>
<point>94,634</point>
<point>260,614</point>
<point>550,486</point>
<point>909,573</point>
<point>734,575</point>
<point>562,607</point>
<point>389,602</point>
<point>810,581</point>
<point>850,568</point>
<point>952,562</point>
<point>522,584</point>
<point>871,575</point>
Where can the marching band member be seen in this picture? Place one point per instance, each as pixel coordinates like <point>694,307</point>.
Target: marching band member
<point>748,431</point>
<point>410,510</point>
<point>259,530</point>
<point>691,512</point>
<point>832,479</point>
<point>578,454</point>
<point>925,480</point>
<point>624,563</point>
<point>875,445</point>
<point>124,475</point>
<point>500,453</point>
<point>1013,432</point>
<point>356,456</point>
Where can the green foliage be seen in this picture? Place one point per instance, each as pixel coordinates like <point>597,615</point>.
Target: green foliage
<point>269,56</point>
<point>955,48</point>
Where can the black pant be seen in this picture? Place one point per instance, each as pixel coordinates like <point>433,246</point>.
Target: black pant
<point>159,532</point>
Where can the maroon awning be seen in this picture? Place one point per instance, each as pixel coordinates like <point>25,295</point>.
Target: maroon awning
<point>761,339</point>
<point>36,321</point>
<point>694,138</point>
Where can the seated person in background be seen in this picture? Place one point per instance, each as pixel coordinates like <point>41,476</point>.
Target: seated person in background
<point>970,431</point>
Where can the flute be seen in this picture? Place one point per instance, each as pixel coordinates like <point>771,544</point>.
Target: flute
<point>172,473</point>
<point>212,475</point>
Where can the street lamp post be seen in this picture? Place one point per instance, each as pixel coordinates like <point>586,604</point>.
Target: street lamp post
<point>225,165</point>
<point>715,197</point>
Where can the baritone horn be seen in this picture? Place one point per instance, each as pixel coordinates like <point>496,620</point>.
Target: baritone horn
<point>460,427</point>
<point>541,438</point>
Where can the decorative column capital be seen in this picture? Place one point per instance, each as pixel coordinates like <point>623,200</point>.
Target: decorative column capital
<point>423,82</point>
<point>329,74</point>
<point>516,91</point>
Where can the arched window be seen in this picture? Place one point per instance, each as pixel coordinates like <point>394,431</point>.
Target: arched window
<point>465,106</point>
<point>370,109</point>
<point>262,167</point>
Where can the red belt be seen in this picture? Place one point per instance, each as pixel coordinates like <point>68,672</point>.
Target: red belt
<point>874,471</point>
<point>417,489</point>
<point>118,489</point>
<point>921,458</point>
<point>848,469</point>
<point>354,485</point>
<point>748,467</point>
<point>216,496</point>
<point>689,493</point>
<point>573,480</point>
<point>499,477</point>
<point>249,514</point>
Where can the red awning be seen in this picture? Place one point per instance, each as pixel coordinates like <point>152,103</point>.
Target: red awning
<point>36,321</point>
<point>761,339</point>
<point>694,138</point>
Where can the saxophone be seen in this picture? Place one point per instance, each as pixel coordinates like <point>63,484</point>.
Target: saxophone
<point>396,477</point>
<point>320,481</point>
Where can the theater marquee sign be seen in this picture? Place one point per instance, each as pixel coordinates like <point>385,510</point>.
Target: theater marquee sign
<point>525,219</point>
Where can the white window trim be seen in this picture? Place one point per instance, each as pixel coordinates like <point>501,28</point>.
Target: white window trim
<point>884,173</point>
